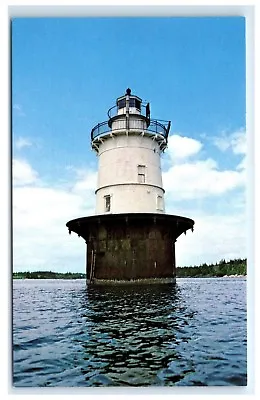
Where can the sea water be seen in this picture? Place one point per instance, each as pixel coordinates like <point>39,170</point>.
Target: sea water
<point>192,333</point>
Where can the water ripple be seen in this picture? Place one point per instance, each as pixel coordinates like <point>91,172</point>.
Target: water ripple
<point>189,334</point>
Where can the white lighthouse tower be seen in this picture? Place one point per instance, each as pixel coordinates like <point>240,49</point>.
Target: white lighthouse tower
<point>129,146</point>
<point>130,238</point>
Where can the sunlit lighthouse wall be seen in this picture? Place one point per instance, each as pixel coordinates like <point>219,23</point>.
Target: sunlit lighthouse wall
<point>130,239</point>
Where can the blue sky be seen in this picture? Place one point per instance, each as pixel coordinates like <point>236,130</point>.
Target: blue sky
<point>66,74</point>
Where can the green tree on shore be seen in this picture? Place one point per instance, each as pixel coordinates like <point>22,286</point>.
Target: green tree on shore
<point>232,267</point>
<point>48,275</point>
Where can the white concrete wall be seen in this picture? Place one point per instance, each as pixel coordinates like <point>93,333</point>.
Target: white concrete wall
<point>130,198</point>
<point>134,123</point>
<point>119,158</point>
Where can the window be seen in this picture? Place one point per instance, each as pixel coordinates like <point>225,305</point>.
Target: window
<point>135,103</point>
<point>141,173</point>
<point>107,203</point>
<point>131,102</point>
<point>138,104</point>
<point>159,205</point>
<point>121,103</point>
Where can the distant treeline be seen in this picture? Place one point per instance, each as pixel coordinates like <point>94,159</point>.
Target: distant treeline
<point>232,267</point>
<point>48,275</point>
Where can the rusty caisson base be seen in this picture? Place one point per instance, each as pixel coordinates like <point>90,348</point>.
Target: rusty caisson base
<point>130,248</point>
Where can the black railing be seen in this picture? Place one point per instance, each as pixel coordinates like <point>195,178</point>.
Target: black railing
<point>100,129</point>
<point>134,124</point>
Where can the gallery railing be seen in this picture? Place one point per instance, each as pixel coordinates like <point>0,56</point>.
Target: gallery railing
<point>135,124</point>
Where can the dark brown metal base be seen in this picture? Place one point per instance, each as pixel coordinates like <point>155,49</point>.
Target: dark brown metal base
<point>147,281</point>
<point>133,248</point>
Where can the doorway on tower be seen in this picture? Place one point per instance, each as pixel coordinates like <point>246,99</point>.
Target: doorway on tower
<point>141,173</point>
<point>159,203</point>
<point>107,199</point>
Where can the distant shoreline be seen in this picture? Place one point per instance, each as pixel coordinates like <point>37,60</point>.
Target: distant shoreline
<point>48,275</point>
<point>225,276</point>
<point>178,277</point>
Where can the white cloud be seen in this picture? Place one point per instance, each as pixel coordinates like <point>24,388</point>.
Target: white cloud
<point>242,164</point>
<point>40,213</point>
<point>200,179</point>
<point>213,197</point>
<point>87,181</point>
<point>41,238</point>
<point>182,147</point>
<point>23,173</point>
<point>235,141</point>
<point>238,142</point>
<point>44,206</point>
<point>22,142</point>
<point>215,237</point>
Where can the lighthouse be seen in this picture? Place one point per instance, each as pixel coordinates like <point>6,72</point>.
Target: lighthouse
<point>130,239</point>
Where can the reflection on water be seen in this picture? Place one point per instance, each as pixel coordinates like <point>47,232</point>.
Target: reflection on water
<point>134,333</point>
<point>68,335</point>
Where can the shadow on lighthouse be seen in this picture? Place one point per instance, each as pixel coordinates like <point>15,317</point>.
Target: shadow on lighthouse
<point>130,238</point>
